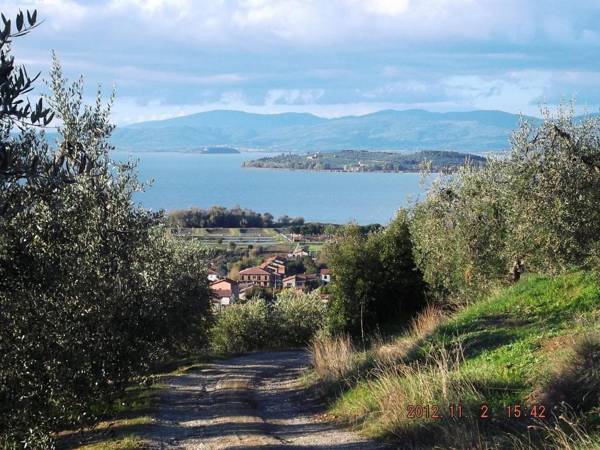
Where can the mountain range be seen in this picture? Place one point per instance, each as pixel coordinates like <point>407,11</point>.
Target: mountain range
<point>473,131</point>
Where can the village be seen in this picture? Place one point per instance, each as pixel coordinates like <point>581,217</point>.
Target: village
<point>271,276</point>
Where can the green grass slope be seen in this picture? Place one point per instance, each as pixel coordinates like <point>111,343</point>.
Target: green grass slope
<point>535,345</point>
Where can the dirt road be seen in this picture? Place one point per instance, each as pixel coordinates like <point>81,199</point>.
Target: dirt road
<point>251,401</point>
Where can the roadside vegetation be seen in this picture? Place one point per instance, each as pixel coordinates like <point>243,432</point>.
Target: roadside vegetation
<point>93,290</point>
<point>291,320</point>
<point>508,254</point>
<point>533,347</point>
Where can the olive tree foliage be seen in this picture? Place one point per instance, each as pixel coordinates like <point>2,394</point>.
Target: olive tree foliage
<point>291,320</point>
<point>92,289</point>
<point>297,316</point>
<point>459,231</point>
<point>536,208</point>
<point>375,279</point>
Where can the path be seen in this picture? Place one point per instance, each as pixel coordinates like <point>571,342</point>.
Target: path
<point>247,402</point>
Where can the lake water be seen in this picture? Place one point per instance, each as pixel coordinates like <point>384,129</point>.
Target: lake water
<point>183,180</point>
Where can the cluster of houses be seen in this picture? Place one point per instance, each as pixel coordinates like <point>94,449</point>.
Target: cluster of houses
<point>271,274</point>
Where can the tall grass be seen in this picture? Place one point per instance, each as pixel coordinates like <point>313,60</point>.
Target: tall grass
<point>423,404</point>
<point>333,357</point>
<point>530,344</point>
<point>338,359</point>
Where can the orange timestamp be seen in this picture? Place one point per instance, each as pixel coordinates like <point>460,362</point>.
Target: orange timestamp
<point>456,410</point>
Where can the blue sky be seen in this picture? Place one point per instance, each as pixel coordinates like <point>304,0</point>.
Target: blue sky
<point>329,57</point>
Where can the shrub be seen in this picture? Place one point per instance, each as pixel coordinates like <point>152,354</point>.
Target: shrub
<point>375,280</point>
<point>290,321</point>
<point>297,317</point>
<point>242,327</point>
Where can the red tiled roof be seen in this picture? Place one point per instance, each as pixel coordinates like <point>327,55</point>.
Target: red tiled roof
<point>224,280</point>
<point>254,271</point>
<point>301,277</point>
<point>219,293</point>
<point>324,271</point>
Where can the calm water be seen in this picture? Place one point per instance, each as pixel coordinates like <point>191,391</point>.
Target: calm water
<point>183,180</point>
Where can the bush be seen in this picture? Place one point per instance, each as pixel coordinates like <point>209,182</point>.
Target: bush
<point>375,280</point>
<point>290,321</point>
<point>241,327</point>
<point>297,317</point>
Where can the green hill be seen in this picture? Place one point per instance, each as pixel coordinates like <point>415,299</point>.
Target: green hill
<point>533,347</point>
<point>472,131</point>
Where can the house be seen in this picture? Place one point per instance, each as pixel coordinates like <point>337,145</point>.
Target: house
<point>325,275</point>
<point>259,277</point>
<point>212,275</point>
<point>298,281</point>
<point>224,292</point>
<point>298,253</point>
<point>274,265</point>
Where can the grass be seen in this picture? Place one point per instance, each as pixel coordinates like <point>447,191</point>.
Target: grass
<point>537,342</point>
<point>125,443</point>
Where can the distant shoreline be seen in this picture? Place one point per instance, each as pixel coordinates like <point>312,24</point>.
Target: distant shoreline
<point>292,169</point>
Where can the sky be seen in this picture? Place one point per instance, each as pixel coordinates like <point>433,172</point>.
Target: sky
<point>168,58</point>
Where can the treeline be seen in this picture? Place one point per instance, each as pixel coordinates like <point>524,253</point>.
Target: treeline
<point>535,209</point>
<point>93,290</point>
<point>221,217</point>
<point>315,228</point>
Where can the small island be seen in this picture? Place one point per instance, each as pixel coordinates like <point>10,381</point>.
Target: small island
<point>367,161</point>
<point>219,150</point>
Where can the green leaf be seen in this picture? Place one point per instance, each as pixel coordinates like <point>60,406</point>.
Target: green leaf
<point>20,21</point>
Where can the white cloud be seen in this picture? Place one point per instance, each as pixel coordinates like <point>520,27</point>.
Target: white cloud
<point>316,22</point>
<point>386,7</point>
<point>293,96</point>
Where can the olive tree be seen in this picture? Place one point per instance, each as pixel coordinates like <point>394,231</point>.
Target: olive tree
<point>92,289</point>
<point>535,208</point>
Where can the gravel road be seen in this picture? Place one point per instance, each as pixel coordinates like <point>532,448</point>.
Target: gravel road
<point>246,402</point>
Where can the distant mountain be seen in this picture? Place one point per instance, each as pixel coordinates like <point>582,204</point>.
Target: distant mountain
<point>474,131</point>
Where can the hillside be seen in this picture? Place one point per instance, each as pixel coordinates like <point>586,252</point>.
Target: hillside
<point>531,347</point>
<point>474,131</point>
<point>365,161</point>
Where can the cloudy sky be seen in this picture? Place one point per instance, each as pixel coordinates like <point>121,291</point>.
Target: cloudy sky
<point>328,57</point>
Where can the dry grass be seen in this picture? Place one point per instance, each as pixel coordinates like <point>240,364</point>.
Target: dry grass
<point>566,432</point>
<point>420,328</point>
<point>387,400</point>
<point>576,379</point>
<point>333,358</point>
<point>337,359</point>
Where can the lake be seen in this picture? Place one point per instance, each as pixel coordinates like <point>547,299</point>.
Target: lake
<point>183,180</point>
